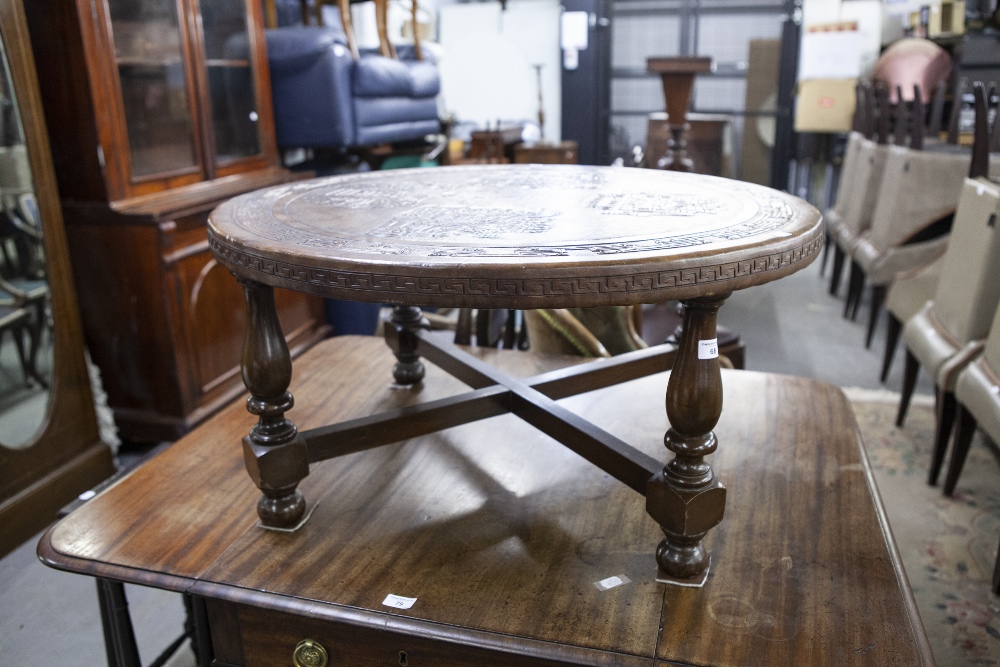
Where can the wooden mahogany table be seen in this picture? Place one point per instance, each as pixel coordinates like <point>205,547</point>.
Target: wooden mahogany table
<point>500,534</point>
<point>518,236</point>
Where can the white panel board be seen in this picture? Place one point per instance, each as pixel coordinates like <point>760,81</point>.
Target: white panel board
<point>487,71</point>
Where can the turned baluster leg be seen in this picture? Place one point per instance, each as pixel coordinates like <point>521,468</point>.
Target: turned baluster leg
<point>274,452</point>
<point>406,321</point>
<point>685,498</point>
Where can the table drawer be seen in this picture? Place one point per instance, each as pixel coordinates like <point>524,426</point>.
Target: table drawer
<point>269,639</point>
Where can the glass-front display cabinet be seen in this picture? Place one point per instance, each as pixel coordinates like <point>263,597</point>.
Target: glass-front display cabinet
<point>158,111</point>
<point>180,92</point>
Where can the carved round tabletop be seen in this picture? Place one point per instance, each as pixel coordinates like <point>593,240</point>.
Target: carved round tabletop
<point>515,236</point>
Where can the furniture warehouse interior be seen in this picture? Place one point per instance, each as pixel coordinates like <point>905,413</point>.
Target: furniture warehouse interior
<point>441,333</point>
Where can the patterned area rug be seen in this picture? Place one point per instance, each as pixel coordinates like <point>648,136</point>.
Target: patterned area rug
<point>948,545</point>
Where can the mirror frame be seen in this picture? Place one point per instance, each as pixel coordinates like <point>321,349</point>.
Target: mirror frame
<point>66,455</point>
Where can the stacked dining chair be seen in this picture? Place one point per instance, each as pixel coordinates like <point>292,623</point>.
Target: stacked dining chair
<point>912,217</point>
<point>945,335</point>
<point>905,298</point>
<point>910,290</point>
<point>842,217</point>
<point>862,178</point>
<point>977,391</point>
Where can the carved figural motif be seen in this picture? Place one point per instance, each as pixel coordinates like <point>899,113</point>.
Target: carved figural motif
<point>443,216</point>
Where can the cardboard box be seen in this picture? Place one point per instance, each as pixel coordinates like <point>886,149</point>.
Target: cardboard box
<point>825,105</point>
<point>939,19</point>
<point>830,51</point>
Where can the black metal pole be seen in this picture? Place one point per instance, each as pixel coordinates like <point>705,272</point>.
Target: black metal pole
<point>788,67</point>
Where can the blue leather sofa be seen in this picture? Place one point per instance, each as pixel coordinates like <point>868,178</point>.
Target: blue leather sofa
<point>324,98</point>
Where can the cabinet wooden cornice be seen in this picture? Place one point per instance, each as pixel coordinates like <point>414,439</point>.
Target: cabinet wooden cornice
<point>159,110</point>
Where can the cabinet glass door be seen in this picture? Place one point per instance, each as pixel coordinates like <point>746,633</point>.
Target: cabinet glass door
<point>151,69</point>
<point>231,83</point>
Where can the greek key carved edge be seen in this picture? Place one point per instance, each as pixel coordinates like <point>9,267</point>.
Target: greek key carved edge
<point>512,287</point>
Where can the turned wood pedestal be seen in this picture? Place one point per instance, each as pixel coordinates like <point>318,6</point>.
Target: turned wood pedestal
<point>510,237</point>
<point>677,76</point>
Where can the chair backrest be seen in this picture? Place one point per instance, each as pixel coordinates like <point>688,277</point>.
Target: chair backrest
<point>861,126</point>
<point>909,119</point>
<point>969,288</point>
<point>918,188</point>
<point>865,176</point>
<point>386,47</point>
<point>859,121</point>
<point>937,111</point>
<point>866,183</point>
<point>992,352</point>
<point>850,184</point>
<point>883,113</point>
<point>901,117</point>
<point>961,84</point>
<point>982,144</point>
<point>918,115</point>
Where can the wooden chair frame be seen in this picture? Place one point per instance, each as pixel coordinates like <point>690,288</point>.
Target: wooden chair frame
<point>344,6</point>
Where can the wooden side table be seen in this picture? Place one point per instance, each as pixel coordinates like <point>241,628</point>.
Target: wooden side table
<point>677,75</point>
<point>501,534</point>
<point>564,152</point>
<point>521,237</point>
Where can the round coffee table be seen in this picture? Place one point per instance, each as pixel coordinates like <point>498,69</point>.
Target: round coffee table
<point>511,236</point>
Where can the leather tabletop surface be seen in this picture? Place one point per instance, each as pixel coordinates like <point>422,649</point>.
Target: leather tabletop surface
<point>515,235</point>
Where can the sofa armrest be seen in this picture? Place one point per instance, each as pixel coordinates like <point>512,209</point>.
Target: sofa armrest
<point>311,71</point>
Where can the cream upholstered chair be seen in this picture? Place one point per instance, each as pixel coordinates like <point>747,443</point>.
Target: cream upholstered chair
<point>910,290</point>
<point>977,390</point>
<point>912,216</point>
<point>861,181</point>
<point>907,295</point>
<point>910,64</point>
<point>862,129</point>
<point>910,139</point>
<point>948,331</point>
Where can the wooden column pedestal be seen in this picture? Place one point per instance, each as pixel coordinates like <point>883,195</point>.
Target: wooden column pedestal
<point>677,75</point>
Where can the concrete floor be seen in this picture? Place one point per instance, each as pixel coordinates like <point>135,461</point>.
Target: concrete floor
<point>791,326</point>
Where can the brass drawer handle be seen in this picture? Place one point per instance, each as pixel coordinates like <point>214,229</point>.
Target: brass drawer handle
<point>309,653</point>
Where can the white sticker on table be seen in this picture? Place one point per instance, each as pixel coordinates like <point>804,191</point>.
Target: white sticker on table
<point>708,349</point>
<point>612,582</point>
<point>398,601</point>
